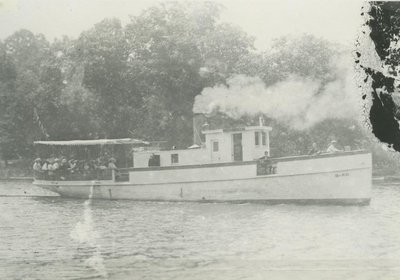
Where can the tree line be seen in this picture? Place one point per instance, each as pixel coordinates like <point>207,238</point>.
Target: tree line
<point>140,79</point>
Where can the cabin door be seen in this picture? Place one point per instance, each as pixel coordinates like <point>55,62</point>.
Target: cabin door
<point>214,150</point>
<point>237,147</point>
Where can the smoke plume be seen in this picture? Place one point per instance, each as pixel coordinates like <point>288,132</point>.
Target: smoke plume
<point>298,101</point>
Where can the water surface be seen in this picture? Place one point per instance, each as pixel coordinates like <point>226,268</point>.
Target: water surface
<point>48,237</point>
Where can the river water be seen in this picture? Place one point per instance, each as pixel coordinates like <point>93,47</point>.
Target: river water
<point>48,237</point>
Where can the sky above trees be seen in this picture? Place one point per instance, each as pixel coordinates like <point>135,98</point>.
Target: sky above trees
<point>334,20</point>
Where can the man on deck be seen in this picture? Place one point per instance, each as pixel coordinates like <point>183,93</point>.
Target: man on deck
<point>314,150</point>
<point>332,147</point>
<point>37,165</point>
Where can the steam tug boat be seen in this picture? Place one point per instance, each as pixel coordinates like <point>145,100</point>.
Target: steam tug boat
<point>222,165</point>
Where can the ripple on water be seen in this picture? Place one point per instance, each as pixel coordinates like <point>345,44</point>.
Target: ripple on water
<point>147,240</point>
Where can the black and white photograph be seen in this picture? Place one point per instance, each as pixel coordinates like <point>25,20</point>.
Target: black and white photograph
<point>192,140</point>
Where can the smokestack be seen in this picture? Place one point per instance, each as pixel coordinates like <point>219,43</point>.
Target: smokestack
<point>260,120</point>
<point>199,120</point>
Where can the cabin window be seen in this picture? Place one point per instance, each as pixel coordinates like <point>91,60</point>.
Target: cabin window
<point>257,138</point>
<point>264,138</point>
<point>174,158</point>
<point>215,146</point>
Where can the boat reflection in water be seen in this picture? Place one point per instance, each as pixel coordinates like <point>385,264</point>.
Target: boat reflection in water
<point>222,165</point>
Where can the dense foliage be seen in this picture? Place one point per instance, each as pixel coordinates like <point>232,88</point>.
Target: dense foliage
<point>140,80</point>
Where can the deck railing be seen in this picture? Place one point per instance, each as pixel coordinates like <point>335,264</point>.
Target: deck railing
<point>66,175</point>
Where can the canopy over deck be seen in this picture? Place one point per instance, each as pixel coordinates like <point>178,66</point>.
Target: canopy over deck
<point>126,141</point>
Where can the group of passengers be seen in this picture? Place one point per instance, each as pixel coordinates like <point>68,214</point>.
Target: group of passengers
<point>62,167</point>
<point>332,148</point>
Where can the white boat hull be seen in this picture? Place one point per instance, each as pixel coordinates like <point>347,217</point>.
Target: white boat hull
<point>344,178</point>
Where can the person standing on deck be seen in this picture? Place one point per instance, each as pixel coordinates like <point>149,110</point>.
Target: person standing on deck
<point>37,166</point>
<point>314,150</point>
<point>45,166</point>
<point>332,147</point>
<point>111,164</point>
